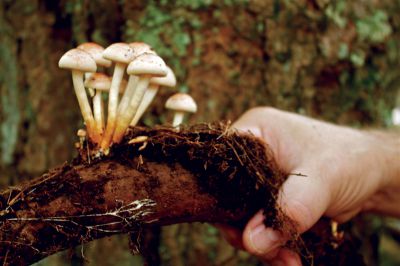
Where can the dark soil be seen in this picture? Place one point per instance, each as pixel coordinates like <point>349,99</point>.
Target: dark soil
<point>205,173</point>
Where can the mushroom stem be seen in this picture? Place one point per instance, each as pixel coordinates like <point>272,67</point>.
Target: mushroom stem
<point>102,111</point>
<point>147,99</point>
<point>77,79</point>
<point>97,119</point>
<point>129,91</point>
<point>113,104</point>
<point>129,113</point>
<point>90,90</point>
<point>98,111</point>
<point>178,118</point>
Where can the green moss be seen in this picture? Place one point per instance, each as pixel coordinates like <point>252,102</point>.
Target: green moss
<point>193,4</point>
<point>167,29</point>
<point>335,12</point>
<point>374,28</point>
<point>358,58</point>
<point>9,96</point>
<point>343,51</point>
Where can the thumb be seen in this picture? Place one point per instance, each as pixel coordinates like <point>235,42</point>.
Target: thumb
<point>304,199</point>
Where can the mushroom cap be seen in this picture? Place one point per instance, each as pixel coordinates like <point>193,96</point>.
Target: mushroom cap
<point>168,81</point>
<point>141,48</point>
<point>119,52</point>
<point>98,81</point>
<point>181,102</point>
<point>148,64</point>
<point>102,82</point>
<point>81,133</point>
<point>77,59</point>
<point>96,51</point>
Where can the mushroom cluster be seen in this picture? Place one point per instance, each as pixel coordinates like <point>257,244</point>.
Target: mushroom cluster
<point>127,100</point>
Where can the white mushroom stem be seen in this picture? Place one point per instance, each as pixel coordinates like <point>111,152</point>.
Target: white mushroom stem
<point>90,90</point>
<point>146,101</point>
<point>97,106</point>
<point>98,111</point>
<point>128,94</point>
<point>178,118</point>
<point>77,79</point>
<point>129,113</point>
<point>113,104</point>
<point>102,111</point>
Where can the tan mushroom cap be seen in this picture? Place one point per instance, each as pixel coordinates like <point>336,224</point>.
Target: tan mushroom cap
<point>81,133</point>
<point>77,59</point>
<point>98,81</point>
<point>148,64</point>
<point>102,82</point>
<point>96,51</point>
<point>141,48</point>
<point>119,52</point>
<point>168,81</point>
<point>181,102</point>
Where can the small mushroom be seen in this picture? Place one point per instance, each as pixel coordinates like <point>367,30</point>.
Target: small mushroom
<point>145,66</point>
<point>101,83</point>
<point>181,103</point>
<point>168,81</point>
<point>96,51</point>
<point>122,54</point>
<point>139,48</point>
<point>81,133</point>
<point>79,62</point>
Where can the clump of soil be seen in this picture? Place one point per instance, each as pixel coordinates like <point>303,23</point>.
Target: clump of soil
<point>156,176</point>
<point>226,164</point>
<point>323,247</point>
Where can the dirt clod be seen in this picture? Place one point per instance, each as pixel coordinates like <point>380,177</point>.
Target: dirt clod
<point>204,173</point>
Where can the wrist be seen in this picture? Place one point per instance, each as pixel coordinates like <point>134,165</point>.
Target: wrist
<point>388,150</point>
<point>387,153</point>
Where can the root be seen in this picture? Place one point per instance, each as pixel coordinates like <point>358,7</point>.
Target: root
<point>160,176</point>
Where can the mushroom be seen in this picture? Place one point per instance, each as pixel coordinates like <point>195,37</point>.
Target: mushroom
<point>101,83</point>
<point>139,48</point>
<point>122,54</point>
<point>79,62</point>
<point>181,103</point>
<point>145,66</point>
<point>96,51</point>
<point>81,133</point>
<point>168,81</point>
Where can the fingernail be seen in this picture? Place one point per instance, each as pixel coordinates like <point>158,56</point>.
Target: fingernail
<point>277,263</point>
<point>264,239</point>
<point>252,130</point>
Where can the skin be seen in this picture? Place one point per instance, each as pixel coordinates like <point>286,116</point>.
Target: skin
<point>347,171</point>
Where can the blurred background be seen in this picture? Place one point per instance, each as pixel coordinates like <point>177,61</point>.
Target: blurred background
<point>334,60</point>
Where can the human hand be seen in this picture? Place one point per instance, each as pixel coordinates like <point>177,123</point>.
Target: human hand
<point>346,171</point>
